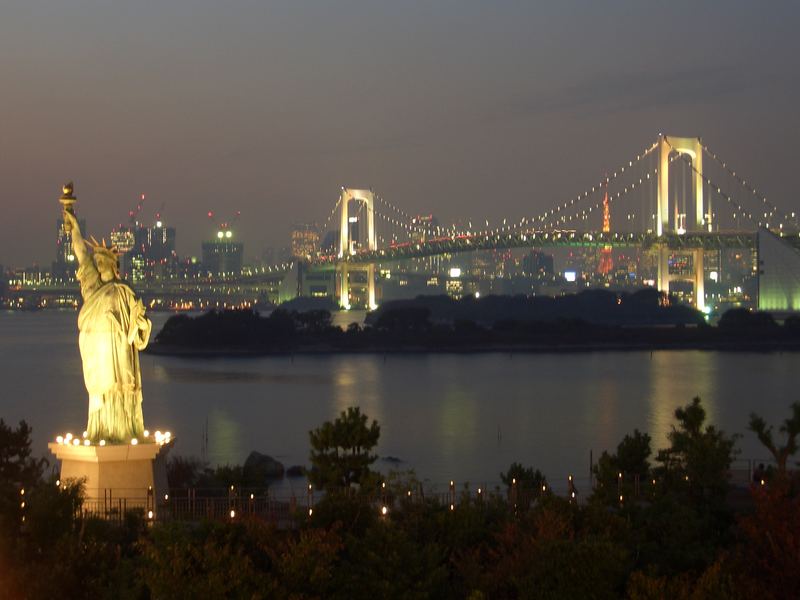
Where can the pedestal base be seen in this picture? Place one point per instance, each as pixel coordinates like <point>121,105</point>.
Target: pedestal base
<point>121,471</point>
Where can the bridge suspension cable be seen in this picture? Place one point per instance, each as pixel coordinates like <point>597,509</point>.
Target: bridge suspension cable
<point>333,212</point>
<point>549,217</point>
<point>545,218</point>
<point>409,223</point>
<point>725,196</point>
<point>745,184</point>
<point>713,186</point>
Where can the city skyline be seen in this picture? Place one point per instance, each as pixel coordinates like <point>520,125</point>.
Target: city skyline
<point>483,112</point>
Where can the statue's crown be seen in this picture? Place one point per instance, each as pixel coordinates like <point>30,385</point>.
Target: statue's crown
<point>101,248</point>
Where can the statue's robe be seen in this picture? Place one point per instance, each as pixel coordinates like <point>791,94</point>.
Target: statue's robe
<point>113,329</point>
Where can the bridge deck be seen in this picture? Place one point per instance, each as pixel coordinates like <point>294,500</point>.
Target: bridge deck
<point>555,239</point>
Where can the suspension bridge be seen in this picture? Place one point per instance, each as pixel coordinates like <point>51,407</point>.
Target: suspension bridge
<point>675,201</point>
<point>676,198</point>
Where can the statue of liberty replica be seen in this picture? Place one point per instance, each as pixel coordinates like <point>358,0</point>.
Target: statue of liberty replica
<point>113,328</point>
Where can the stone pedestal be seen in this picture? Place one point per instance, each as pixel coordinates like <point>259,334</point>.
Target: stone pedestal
<point>118,471</point>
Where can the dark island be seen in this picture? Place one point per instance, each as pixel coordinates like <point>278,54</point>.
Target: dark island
<point>590,321</point>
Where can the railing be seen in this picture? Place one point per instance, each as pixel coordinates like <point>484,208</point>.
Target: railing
<point>195,504</point>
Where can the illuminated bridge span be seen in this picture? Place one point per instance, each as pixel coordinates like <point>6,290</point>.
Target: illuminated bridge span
<point>545,239</point>
<point>676,198</point>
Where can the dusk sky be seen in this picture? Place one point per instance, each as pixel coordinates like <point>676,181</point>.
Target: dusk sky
<point>464,109</point>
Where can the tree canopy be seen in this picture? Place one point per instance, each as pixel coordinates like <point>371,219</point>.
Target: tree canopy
<point>341,450</point>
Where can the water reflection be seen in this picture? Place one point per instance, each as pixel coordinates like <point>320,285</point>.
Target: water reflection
<point>357,383</point>
<point>224,438</point>
<point>604,410</point>
<point>457,424</point>
<point>170,373</point>
<point>676,378</point>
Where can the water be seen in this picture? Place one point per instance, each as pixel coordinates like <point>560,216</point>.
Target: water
<point>465,417</point>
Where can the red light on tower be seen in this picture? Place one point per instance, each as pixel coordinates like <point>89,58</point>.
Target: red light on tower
<point>606,263</point>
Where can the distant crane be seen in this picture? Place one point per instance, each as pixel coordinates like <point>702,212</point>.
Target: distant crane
<point>133,214</point>
<point>160,210</point>
<point>224,227</point>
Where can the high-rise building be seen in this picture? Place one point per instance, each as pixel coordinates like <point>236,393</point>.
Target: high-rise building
<point>537,263</point>
<point>124,240</point>
<point>65,264</point>
<point>160,242</point>
<point>152,253</point>
<point>305,241</point>
<point>222,255</point>
<point>424,227</point>
<point>330,243</point>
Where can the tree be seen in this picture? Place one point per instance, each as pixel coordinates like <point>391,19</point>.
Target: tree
<point>630,461</point>
<point>528,483</point>
<point>340,451</point>
<point>790,427</point>
<point>313,321</point>
<point>742,320</point>
<point>411,319</point>
<point>18,471</point>
<point>766,560</point>
<point>698,458</point>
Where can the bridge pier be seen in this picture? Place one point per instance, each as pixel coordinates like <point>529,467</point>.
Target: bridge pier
<point>696,277</point>
<point>345,285</point>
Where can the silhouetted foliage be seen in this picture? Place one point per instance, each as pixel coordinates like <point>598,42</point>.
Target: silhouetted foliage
<point>616,474</point>
<point>528,481</point>
<point>767,558</point>
<point>698,459</point>
<point>590,319</point>
<point>744,320</point>
<point>677,541</point>
<point>340,450</point>
<point>790,428</point>
<point>18,471</point>
<point>405,320</point>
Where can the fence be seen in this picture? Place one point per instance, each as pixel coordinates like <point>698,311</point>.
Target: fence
<point>194,504</point>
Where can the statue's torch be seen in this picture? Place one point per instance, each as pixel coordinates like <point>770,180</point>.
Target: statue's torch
<point>67,200</point>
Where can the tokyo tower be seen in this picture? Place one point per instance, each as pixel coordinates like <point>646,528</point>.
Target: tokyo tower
<point>606,263</point>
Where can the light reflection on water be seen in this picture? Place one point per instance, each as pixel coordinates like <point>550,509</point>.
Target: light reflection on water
<point>465,417</point>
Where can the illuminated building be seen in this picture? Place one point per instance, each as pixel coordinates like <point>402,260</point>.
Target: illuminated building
<point>305,241</point>
<point>124,240</point>
<point>222,255</point>
<point>152,254</point>
<point>423,226</point>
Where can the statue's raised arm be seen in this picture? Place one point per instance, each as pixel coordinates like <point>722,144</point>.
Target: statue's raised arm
<point>78,243</point>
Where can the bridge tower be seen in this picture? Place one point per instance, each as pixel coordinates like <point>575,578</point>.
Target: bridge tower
<point>702,219</point>
<point>350,275</point>
<point>694,148</point>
